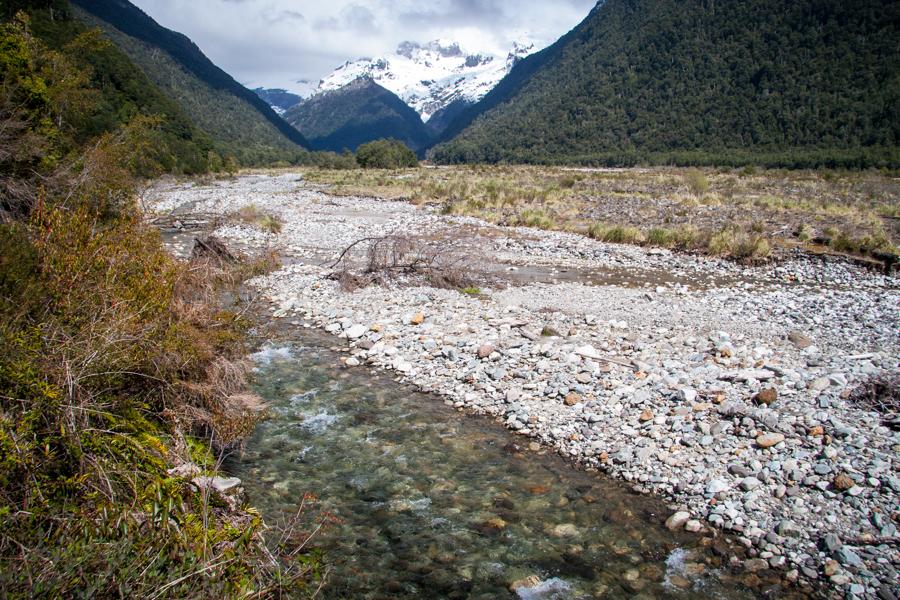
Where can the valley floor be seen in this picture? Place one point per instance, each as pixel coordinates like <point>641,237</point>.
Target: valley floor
<point>730,390</point>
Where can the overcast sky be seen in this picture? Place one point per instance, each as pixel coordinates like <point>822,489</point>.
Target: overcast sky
<point>284,43</point>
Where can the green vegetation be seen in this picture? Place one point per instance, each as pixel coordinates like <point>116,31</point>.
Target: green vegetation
<point>735,243</point>
<point>801,84</point>
<point>237,127</point>
<point>356,114</point>
<point>697,183</point>
<point>251,215</point>
<point>852,211</point>
<point>134,23</point>
<point>118,93</point>
<point>386,154</point>
<point>120,376</point>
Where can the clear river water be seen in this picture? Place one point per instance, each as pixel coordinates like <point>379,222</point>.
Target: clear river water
<point>431,503</point>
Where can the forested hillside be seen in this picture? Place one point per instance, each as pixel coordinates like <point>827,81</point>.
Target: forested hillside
<point>359,112</point>
<point>793,83</point>
<point>119,92</point>
<point>240,122</point>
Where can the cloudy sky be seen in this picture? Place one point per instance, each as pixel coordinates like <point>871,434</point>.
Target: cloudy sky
<point>285,43</point>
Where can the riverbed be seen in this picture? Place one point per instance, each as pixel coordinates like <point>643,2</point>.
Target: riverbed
<point>430,503</point>
<point>725,389</point>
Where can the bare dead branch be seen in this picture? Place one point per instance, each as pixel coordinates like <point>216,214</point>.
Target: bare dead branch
<point>449,262</point>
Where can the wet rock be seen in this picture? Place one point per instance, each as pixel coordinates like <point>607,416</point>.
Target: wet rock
<point>755,565</point>
<point>565,530</point>
<point>529,582</point>
<point>677,520</point>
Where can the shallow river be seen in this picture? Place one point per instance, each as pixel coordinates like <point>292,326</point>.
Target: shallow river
<point>435,504</point>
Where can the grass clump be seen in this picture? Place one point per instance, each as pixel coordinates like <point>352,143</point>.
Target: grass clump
<point>536,218</point>
<point>252,215</point>
<point>662,237</point>
<point>615,234</point>
<point>738,244</point>
<point>804,233</point>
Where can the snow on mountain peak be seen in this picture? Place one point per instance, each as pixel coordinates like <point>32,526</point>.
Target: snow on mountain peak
<point>431,76</point>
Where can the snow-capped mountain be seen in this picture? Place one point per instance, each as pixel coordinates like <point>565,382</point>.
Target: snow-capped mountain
<point>431,77</point>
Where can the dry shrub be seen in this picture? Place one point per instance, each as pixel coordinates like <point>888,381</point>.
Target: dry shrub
<point>221,407</point>
<point>445,263</point>
<point>880,393</point>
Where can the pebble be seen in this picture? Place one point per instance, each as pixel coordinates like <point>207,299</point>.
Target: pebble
<point>769,439</point>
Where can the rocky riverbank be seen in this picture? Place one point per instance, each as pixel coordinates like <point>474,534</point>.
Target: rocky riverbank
<point>726,389</point>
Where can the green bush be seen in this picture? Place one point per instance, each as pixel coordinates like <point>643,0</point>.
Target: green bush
<point>386,154</point>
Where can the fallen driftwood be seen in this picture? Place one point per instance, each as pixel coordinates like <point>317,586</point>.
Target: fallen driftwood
<point>212,248</point>
<point>445,263</point>
<point>590,353</point>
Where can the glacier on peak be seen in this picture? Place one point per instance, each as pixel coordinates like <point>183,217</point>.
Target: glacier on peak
<point>430,77</point>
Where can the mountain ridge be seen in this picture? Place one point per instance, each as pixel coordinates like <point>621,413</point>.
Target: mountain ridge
<point>356,113</point>
<point>806,83</point>
<point>132,21</point>
<point>430,77</point>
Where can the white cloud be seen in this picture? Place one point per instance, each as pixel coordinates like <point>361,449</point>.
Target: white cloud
<point>277,43</point>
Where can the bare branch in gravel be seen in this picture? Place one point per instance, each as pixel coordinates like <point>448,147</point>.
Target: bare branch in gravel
<point>450,262</point>
<point>880,394</point>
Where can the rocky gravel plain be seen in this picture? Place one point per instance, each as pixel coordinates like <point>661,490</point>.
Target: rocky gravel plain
<point>722,387</point>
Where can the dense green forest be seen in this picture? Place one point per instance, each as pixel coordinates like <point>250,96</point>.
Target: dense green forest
<point>248,131</point>
<point>777,82</point>
<point>359,112</point>
<point>386,154</point>
<point>120,92</point>
<point>134,23</point>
